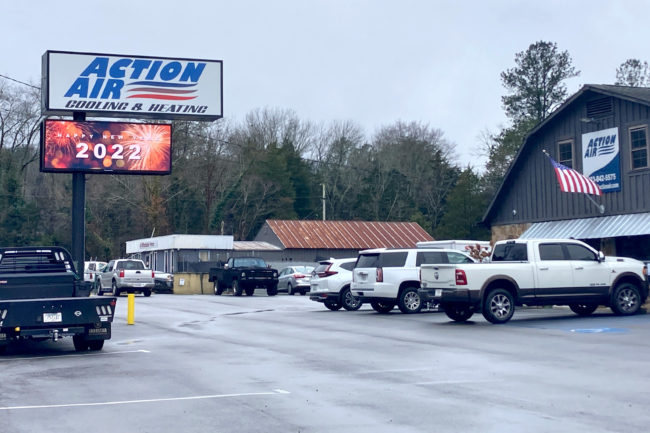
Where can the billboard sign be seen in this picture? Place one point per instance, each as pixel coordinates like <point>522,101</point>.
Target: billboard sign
<point>105,147</point>
<point>601,160</point>
<point>108,85</point>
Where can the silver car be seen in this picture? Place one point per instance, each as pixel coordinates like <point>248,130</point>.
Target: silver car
<point>295,279</point>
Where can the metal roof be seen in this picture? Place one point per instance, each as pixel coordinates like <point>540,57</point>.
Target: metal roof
<point>590,228</point>
<point>354,235</point>
<point>254,246</point>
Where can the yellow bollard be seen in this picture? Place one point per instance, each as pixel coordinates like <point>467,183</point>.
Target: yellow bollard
<point>130,313</point>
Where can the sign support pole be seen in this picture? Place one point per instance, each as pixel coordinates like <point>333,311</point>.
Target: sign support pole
<point>79,212</point>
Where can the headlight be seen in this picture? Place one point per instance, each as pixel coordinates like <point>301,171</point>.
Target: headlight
<point>275,274</point>
<point>243,274</point>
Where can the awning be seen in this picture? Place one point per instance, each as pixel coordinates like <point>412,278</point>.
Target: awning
<point>591,228</point>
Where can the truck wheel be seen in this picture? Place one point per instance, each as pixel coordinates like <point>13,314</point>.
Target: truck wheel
<point>250,291</point>
<point>382,307</point>
<point>626,299</point>
<point>458,313</point>
<point>114,290</point>
<point>348,301</point>
<point>498,306</point>
<point>583,309</point>
<point>146,292</point>
<point>95,344</point>
<point>272,290</point>
<point>218,289</point>
<point>409,301</point>
<point>289,289</point>
<point>80,343</point>
<point>333,305</point>
<point>236,288</point>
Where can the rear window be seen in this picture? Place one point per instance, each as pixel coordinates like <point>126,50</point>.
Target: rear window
<point>347,266</point>
<point>395,259</point>
<point>321,268</point>
<point>131,265</point>
<point>510,253</point>
<point>427,257</point>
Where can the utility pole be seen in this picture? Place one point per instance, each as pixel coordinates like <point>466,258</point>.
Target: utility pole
<point>323,201</point>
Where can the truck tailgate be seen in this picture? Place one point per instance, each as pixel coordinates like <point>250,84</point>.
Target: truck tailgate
<point>438,275</point>
<point>45,312</point>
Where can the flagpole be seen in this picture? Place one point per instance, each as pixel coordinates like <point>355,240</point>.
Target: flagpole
<point>601,207</point>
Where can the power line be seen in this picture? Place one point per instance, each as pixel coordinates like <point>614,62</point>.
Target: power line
<point>20,82</point>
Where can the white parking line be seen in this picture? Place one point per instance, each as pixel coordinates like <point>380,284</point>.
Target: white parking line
<point>75,355</point>
<point>152,400</point>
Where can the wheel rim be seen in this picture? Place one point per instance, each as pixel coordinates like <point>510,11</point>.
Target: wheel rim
<point>350,300</point>
<point>412,301</point>
<point>500,306</point>
<point>627,299</point>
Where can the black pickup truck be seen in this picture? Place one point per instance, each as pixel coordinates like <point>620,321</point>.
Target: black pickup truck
<point>244,274</point>
<point>43,298</point>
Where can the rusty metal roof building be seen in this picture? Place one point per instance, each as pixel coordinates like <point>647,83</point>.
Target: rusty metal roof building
<point>342,235</point>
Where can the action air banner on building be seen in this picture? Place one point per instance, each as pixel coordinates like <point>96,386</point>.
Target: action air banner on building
<point>601,160</point>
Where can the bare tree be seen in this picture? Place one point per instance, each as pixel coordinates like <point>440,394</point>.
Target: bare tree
<point>633,72</point>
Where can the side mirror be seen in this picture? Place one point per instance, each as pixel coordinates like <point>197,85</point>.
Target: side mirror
<point>601,256</point>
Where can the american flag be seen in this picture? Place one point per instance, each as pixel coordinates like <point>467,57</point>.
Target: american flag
<point>572,181</point>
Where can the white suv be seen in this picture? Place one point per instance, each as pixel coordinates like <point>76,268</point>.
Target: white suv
<point>389,277</point>
<point>330,284</point>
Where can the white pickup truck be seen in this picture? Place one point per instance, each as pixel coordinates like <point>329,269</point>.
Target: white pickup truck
<point>125,275</point>
<point>536,272</point>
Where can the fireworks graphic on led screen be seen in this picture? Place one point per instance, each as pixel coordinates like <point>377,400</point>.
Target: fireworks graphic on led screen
<point>106,147</point>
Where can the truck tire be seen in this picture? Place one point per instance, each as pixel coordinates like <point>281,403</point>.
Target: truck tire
<point>458,312</point>
<point>583,309</point>
<point>250,291</point>
<point>115,291</point>
<point>236,288</point>
<point>272,290</point>
<point>498,306</point>
<point>80,343</point>
<point>218,288</point>
<point>146,292</point>
<point>409,301</point>
<point>626,299</point>
<point>349,301</point>
<point>382,307</point>
<point>95,344</point>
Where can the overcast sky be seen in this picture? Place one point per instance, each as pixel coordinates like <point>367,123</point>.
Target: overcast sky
<point>372,62</point>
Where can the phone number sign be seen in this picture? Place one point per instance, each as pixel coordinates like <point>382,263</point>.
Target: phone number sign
<point>105,147</point>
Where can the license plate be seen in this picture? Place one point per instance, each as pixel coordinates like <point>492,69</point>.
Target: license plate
<point>52,317</point>
<point>438,292</point>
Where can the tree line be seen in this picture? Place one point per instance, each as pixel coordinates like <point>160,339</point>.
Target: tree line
<point>228,177</point>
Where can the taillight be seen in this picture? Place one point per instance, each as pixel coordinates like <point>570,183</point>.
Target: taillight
<point>298,276</point>
<point>121,273</point>
<point>326,272</point>
<point>461,278</point>
<point>152,274</point>
<point>380,275</point>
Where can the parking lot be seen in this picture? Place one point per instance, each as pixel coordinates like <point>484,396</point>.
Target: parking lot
<point>287,364</point>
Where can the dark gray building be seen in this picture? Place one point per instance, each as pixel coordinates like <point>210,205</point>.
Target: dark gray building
<point>602,132</point>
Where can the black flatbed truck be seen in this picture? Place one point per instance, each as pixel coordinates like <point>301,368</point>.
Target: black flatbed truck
<point>43,298</point>
<point>244,274</point>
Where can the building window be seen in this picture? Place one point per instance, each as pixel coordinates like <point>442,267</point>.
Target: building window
<point>565,152</point>
<point>204,256</point>
<point>639,146</point>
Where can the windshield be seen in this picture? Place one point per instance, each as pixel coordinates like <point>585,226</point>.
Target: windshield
<point>249,262</point>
